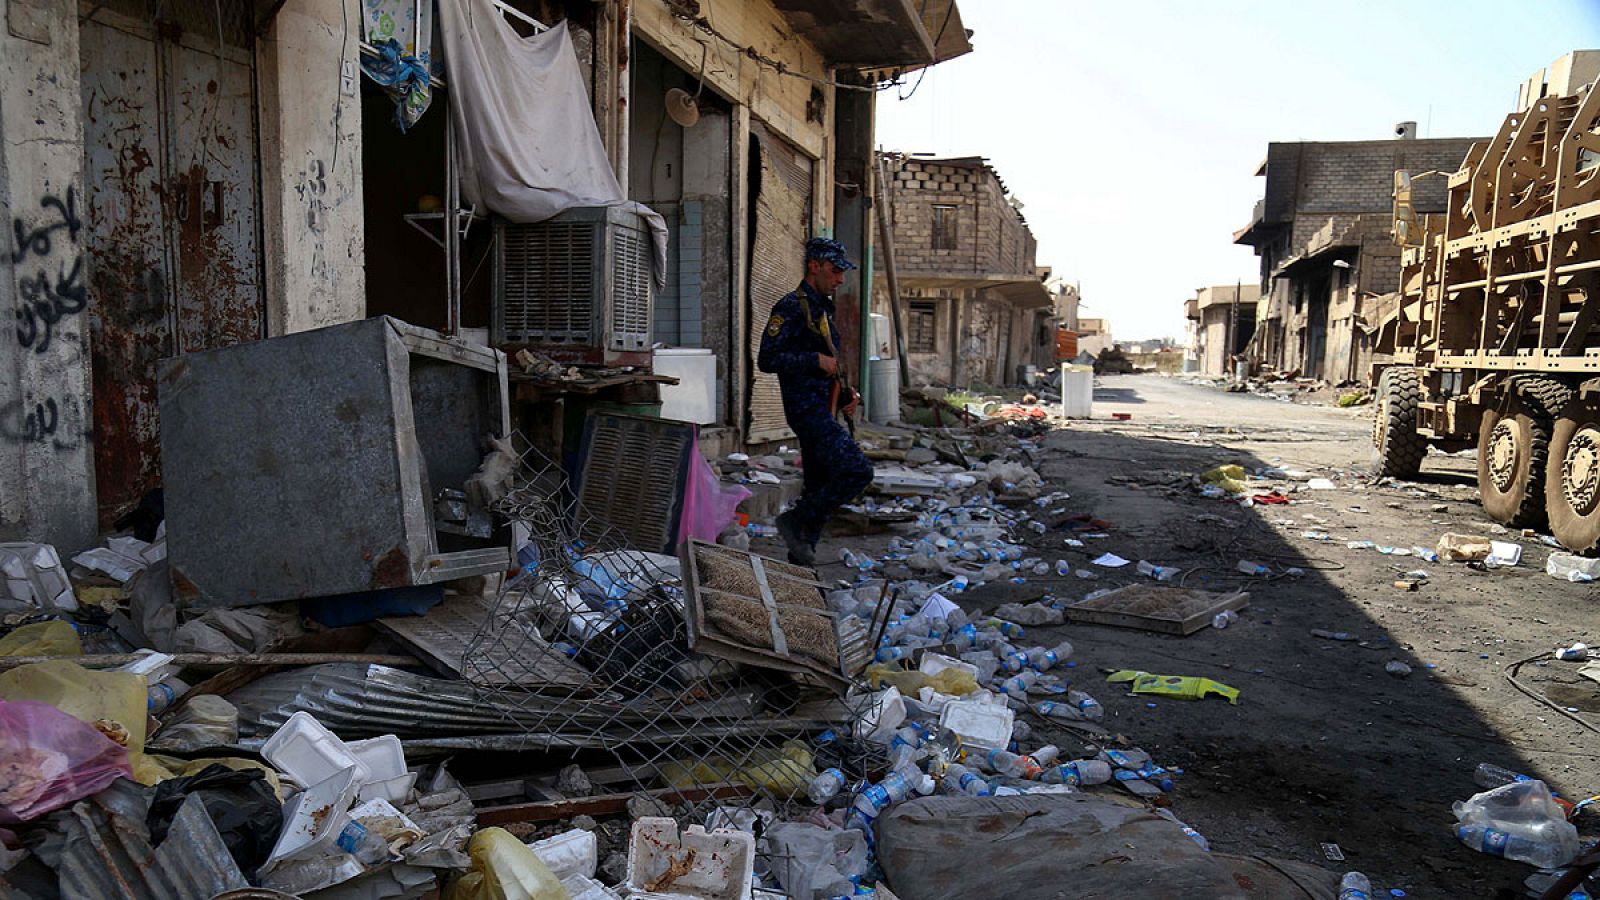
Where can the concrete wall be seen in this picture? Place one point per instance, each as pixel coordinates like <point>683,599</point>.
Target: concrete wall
<point>310,100</point>
<point>46,459</point>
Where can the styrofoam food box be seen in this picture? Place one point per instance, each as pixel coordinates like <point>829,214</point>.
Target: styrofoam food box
<point>306,751</point>
<point>385,760</point>
<point>721,866</point>
<point>983,725</point>
<point>313,818</point>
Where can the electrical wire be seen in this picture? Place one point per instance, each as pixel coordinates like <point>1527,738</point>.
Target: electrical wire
<point>1510,672</point>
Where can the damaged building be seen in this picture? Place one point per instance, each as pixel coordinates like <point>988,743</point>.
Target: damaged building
<point>972,297</point>
<point>185,176</point>
<point>1322,232</point>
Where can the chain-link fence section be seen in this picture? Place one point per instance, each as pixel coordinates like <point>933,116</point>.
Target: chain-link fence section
<point>589,646</point>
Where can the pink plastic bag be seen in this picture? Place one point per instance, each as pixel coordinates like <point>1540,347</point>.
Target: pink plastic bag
<point>708,504</point>
<point>49,759</point>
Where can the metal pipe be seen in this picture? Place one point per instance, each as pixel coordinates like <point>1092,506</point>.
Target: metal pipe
<point>452,232</point>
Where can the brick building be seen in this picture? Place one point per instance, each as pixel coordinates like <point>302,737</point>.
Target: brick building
<point>1322,233</point>
<point>975,305</point>
<point>1224,318</point>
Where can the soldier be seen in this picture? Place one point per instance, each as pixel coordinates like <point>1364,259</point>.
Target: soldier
<point>801,347</point>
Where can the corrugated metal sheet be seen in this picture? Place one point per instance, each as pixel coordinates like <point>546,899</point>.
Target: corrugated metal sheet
<point>783,222</point>
<point>356,701</point>
<point>107,851</point>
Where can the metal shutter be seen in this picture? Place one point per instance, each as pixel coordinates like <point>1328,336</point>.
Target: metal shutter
<point>783,222</point>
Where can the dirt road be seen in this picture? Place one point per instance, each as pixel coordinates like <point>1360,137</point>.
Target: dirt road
<point>1324,745</point>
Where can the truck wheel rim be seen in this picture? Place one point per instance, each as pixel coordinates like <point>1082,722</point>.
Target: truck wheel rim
<point>1580,472</point>
<point>1503,456</point>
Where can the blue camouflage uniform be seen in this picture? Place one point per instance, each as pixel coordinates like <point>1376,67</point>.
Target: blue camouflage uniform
<point>800,327</point>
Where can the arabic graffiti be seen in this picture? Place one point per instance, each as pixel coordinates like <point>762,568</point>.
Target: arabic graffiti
<point>46,297</point>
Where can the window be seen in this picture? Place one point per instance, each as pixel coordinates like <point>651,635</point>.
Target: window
<point>919,329</point>
<point>944,227</point>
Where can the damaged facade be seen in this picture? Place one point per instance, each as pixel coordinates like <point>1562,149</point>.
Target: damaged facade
<point>1223,319</point>
<point>185,176</point>
<point>973,298</point>
<point>1322,233</point>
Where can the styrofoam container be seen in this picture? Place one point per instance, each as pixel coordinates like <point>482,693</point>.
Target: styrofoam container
<point>575,852</point>
<point>313,818</point>
<point>309,753</point>
<point>34,576</point>
<point>986,726</point>
<point>385,760</point>
<point>721,863</point>
<point>694,397</point>
<point>879,715</point>
<point>934,663</point>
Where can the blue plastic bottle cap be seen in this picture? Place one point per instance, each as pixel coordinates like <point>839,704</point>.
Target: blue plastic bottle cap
<point>1396,892</point>
<point>1150,706</point>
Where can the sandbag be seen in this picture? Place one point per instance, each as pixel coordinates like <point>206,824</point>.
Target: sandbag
<point>1045,846</point>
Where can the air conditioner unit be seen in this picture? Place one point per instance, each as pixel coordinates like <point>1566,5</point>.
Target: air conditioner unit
<point>577,287</point>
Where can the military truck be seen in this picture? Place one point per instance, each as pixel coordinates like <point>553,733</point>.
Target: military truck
<point>1495,343</point>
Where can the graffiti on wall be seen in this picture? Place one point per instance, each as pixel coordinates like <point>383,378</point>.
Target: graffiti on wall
<point>49,262</point>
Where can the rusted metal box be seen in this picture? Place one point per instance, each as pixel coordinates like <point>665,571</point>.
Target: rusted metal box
<point>308,465</point>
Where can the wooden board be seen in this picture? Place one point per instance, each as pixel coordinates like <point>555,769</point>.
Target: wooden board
<point>1158,608</point>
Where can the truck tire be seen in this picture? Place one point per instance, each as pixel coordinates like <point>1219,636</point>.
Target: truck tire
<point>1572,481</point>
<point>1513,446</point>
<point>1394,427</point>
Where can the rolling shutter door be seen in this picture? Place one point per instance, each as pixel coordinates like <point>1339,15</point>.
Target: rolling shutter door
<point>782,224</point>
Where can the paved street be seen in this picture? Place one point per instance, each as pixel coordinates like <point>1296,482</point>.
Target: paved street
<point>1324,746</point>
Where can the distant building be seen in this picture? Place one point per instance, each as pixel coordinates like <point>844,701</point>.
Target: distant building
<point>1094,335</point>
<point>1224,320</point>
<point>1322,233</point>
<point>975,305</point>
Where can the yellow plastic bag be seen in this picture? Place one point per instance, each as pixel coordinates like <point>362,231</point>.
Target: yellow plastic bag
<point>1176,687</point>
<point>52,638</point>
<point>1230,478</point>
<point>949,681</point>
<point>115,702</point>
<point>783,772</point>
<point>504,868</point>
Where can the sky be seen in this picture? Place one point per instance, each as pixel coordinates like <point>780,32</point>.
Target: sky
<point>1131,131</point>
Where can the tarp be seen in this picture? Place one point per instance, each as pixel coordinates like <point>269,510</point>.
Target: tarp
<point>525,138</point>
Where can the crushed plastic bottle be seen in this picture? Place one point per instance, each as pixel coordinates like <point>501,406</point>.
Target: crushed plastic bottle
<point>1252,568</point>
<point>1355,886</point>
<point>1081,772</point>
<point>1489,776</point>
<point>826,786</point>
<point>1043,660</point>
<point>1223,619</point>
<point>1546,854</point>
<point>959,779</point>
<point>1572,567</point>
<point>1014,765</point>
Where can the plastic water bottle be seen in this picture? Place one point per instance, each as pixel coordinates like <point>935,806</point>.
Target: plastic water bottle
<point>903,745</point>
<point>1043,659</point>
<point>1015,765</point>
<point>892,654</point>
<point>959,779</point>
<point>1543,854</point>
<point>1164,784</point>
<point>1355,886</point>
<point>1079,772</point>
<point>878,797</point>
<point>362,843</point>
<point>965,635</point>
<point>1252,568</point>
<point>1013,659</point>
<point>164,693</point>
<point>1063,568</point>
<point>1017,685</point>
<point>826,786</point>
<point>1053,710</point>
<point>1009,629</point>
<point>1489,776</point>
<point>1046,755</point>
<point>1126,759</point>
<point>1087,706</point>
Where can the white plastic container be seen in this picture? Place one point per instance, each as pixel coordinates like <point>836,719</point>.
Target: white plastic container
<point>1077,391</point>
<point>986,726</point>
<point>313,818</point>
<point>879,715</point>
<point>884,392</point>
<point>575,852</point>
<point>309,753</point>
<point>385,760</point>
<point>719,864</point>
<point>934,663</point>
<point>34,576</point>
<point>694,397</point>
